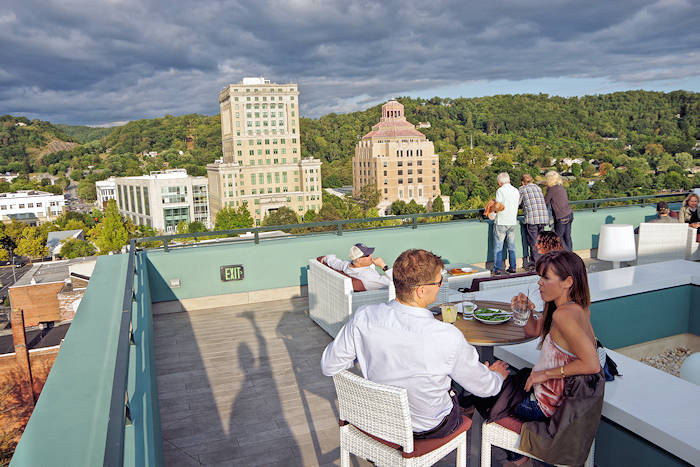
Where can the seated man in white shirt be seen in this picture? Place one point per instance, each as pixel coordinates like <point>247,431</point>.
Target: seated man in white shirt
<point>362,267</point>
<point>400,343</point>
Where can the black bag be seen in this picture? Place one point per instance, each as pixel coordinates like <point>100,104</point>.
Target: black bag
<point>609,366</point>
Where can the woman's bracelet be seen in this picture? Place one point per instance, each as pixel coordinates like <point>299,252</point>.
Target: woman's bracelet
<point>561,368</point>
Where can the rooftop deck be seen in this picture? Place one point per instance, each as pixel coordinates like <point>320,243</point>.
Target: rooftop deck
<point>242,385</point>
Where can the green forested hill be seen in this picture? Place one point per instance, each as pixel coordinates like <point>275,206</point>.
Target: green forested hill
<point>647,139</point>
<point>527,128</point>
<point>84,134</point>
<point>22,141</point>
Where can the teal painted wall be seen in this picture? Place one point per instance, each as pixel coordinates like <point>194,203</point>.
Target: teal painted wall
<point>276,263</point>
<point>639,318</point>
<point>69,423</point>
<point>694,324</point>
<point>617,447</point>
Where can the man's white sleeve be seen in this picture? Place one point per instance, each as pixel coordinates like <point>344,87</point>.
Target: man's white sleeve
<point>339,354</point>
<point>335,263</point>
<point>473,375</point>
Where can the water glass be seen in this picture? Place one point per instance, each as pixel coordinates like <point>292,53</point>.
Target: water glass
<point>521,313</point>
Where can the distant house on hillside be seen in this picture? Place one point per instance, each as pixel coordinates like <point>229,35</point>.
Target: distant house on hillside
<point>54,239</point>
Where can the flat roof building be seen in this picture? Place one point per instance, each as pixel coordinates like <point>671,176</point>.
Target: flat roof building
<point>262,165</point>
<point>30,206</point>
<point>162,200</point>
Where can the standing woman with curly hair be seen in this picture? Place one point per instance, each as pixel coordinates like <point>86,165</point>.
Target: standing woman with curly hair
<point>558,200</point>
<point>689,211</point>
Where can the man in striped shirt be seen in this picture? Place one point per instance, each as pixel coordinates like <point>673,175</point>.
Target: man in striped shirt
<point>536,215</point>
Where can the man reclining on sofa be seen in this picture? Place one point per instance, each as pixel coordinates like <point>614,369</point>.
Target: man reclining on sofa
<point>362,266</point>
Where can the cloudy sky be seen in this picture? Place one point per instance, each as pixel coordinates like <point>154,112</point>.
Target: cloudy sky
<point>99,62</point>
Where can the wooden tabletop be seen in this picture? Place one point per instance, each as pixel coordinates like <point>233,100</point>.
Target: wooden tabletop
<point>480,334</point>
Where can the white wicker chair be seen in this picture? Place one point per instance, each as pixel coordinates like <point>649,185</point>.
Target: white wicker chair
<point>382,411</point>
<point>493,434</point>
<point>332,299</point>
<point>661,242</point>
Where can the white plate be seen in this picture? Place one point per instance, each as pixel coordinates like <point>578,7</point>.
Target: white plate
<point>505,318</point>
<point>467,269</point>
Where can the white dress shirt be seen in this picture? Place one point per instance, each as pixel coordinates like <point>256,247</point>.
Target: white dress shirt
<point>508,196</point>
<point>369,276</point>
<point>405,346</point>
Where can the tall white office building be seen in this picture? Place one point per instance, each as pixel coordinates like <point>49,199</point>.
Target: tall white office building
<point>164,199</point>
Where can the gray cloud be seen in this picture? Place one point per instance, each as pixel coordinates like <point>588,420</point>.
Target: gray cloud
<point>89,62</point>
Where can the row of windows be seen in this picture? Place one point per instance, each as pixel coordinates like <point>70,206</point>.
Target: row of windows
<point>398,163</point>
<point>5,207</point>
<point>131,200</point>
<point>273,131</point>
<point>264,114</point>
<point>259,142</point>
<point>264,98</point>
<point>263,90</point>
<point>250,123</point>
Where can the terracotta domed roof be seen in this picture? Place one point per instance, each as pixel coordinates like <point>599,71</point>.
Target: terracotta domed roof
<point>393,123</point>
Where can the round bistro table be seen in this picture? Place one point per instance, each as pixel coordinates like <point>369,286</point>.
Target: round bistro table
<point>487,336</point>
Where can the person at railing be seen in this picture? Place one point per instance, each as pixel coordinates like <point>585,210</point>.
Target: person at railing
<point>536,216</point>
<point>689,211</point>
<point>362,266</point>
<point>400,343</point>
<point>504,224</point>
<point>548,241</point>
<point>663,216</point>
<point>558,200</point>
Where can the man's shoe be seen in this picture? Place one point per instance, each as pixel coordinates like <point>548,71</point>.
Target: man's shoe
<point>510,270</point>
<point>497,272</point>
<point>530,267</point>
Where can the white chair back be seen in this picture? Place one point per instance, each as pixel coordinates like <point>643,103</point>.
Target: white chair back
<point>377,409</point>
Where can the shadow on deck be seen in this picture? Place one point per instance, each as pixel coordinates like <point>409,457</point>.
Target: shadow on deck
<point>242,385</point>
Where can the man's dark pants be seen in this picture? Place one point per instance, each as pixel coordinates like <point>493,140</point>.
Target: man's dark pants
<point>531,232</point>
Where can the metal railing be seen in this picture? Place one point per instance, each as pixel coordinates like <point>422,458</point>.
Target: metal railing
<point>406,220</point>
<point>119,413</point>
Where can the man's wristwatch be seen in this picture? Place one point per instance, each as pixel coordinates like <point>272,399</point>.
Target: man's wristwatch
<point>385,268</point>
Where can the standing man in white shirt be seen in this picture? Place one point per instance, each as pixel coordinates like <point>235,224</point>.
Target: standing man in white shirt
<point>400,343</point>
<point>362,266</point>
<point>505,224</point>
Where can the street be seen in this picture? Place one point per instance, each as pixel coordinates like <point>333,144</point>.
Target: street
<point>6,277</point>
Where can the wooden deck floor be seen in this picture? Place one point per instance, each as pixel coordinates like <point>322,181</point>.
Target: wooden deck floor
<point>242,385</point>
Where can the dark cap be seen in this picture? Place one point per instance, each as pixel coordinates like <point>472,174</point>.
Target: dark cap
<point>662,206</point>
<point>358,250</point>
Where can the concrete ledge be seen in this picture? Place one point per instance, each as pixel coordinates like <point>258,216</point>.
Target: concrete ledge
<point>242,298</point>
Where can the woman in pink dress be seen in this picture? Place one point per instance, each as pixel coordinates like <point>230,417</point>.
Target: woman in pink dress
<point>568,343</point>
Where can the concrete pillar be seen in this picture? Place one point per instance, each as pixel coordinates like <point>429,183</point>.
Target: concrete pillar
<point>19,339</point>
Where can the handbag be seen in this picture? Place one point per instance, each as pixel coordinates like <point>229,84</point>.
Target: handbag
<point>606,363</point>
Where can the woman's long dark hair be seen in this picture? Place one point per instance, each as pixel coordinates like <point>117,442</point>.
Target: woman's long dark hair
<point>564,263</point>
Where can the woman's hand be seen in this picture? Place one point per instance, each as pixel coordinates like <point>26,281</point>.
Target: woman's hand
<point>521,299</point>
<point>695,225</point>
<point>536,377</point>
